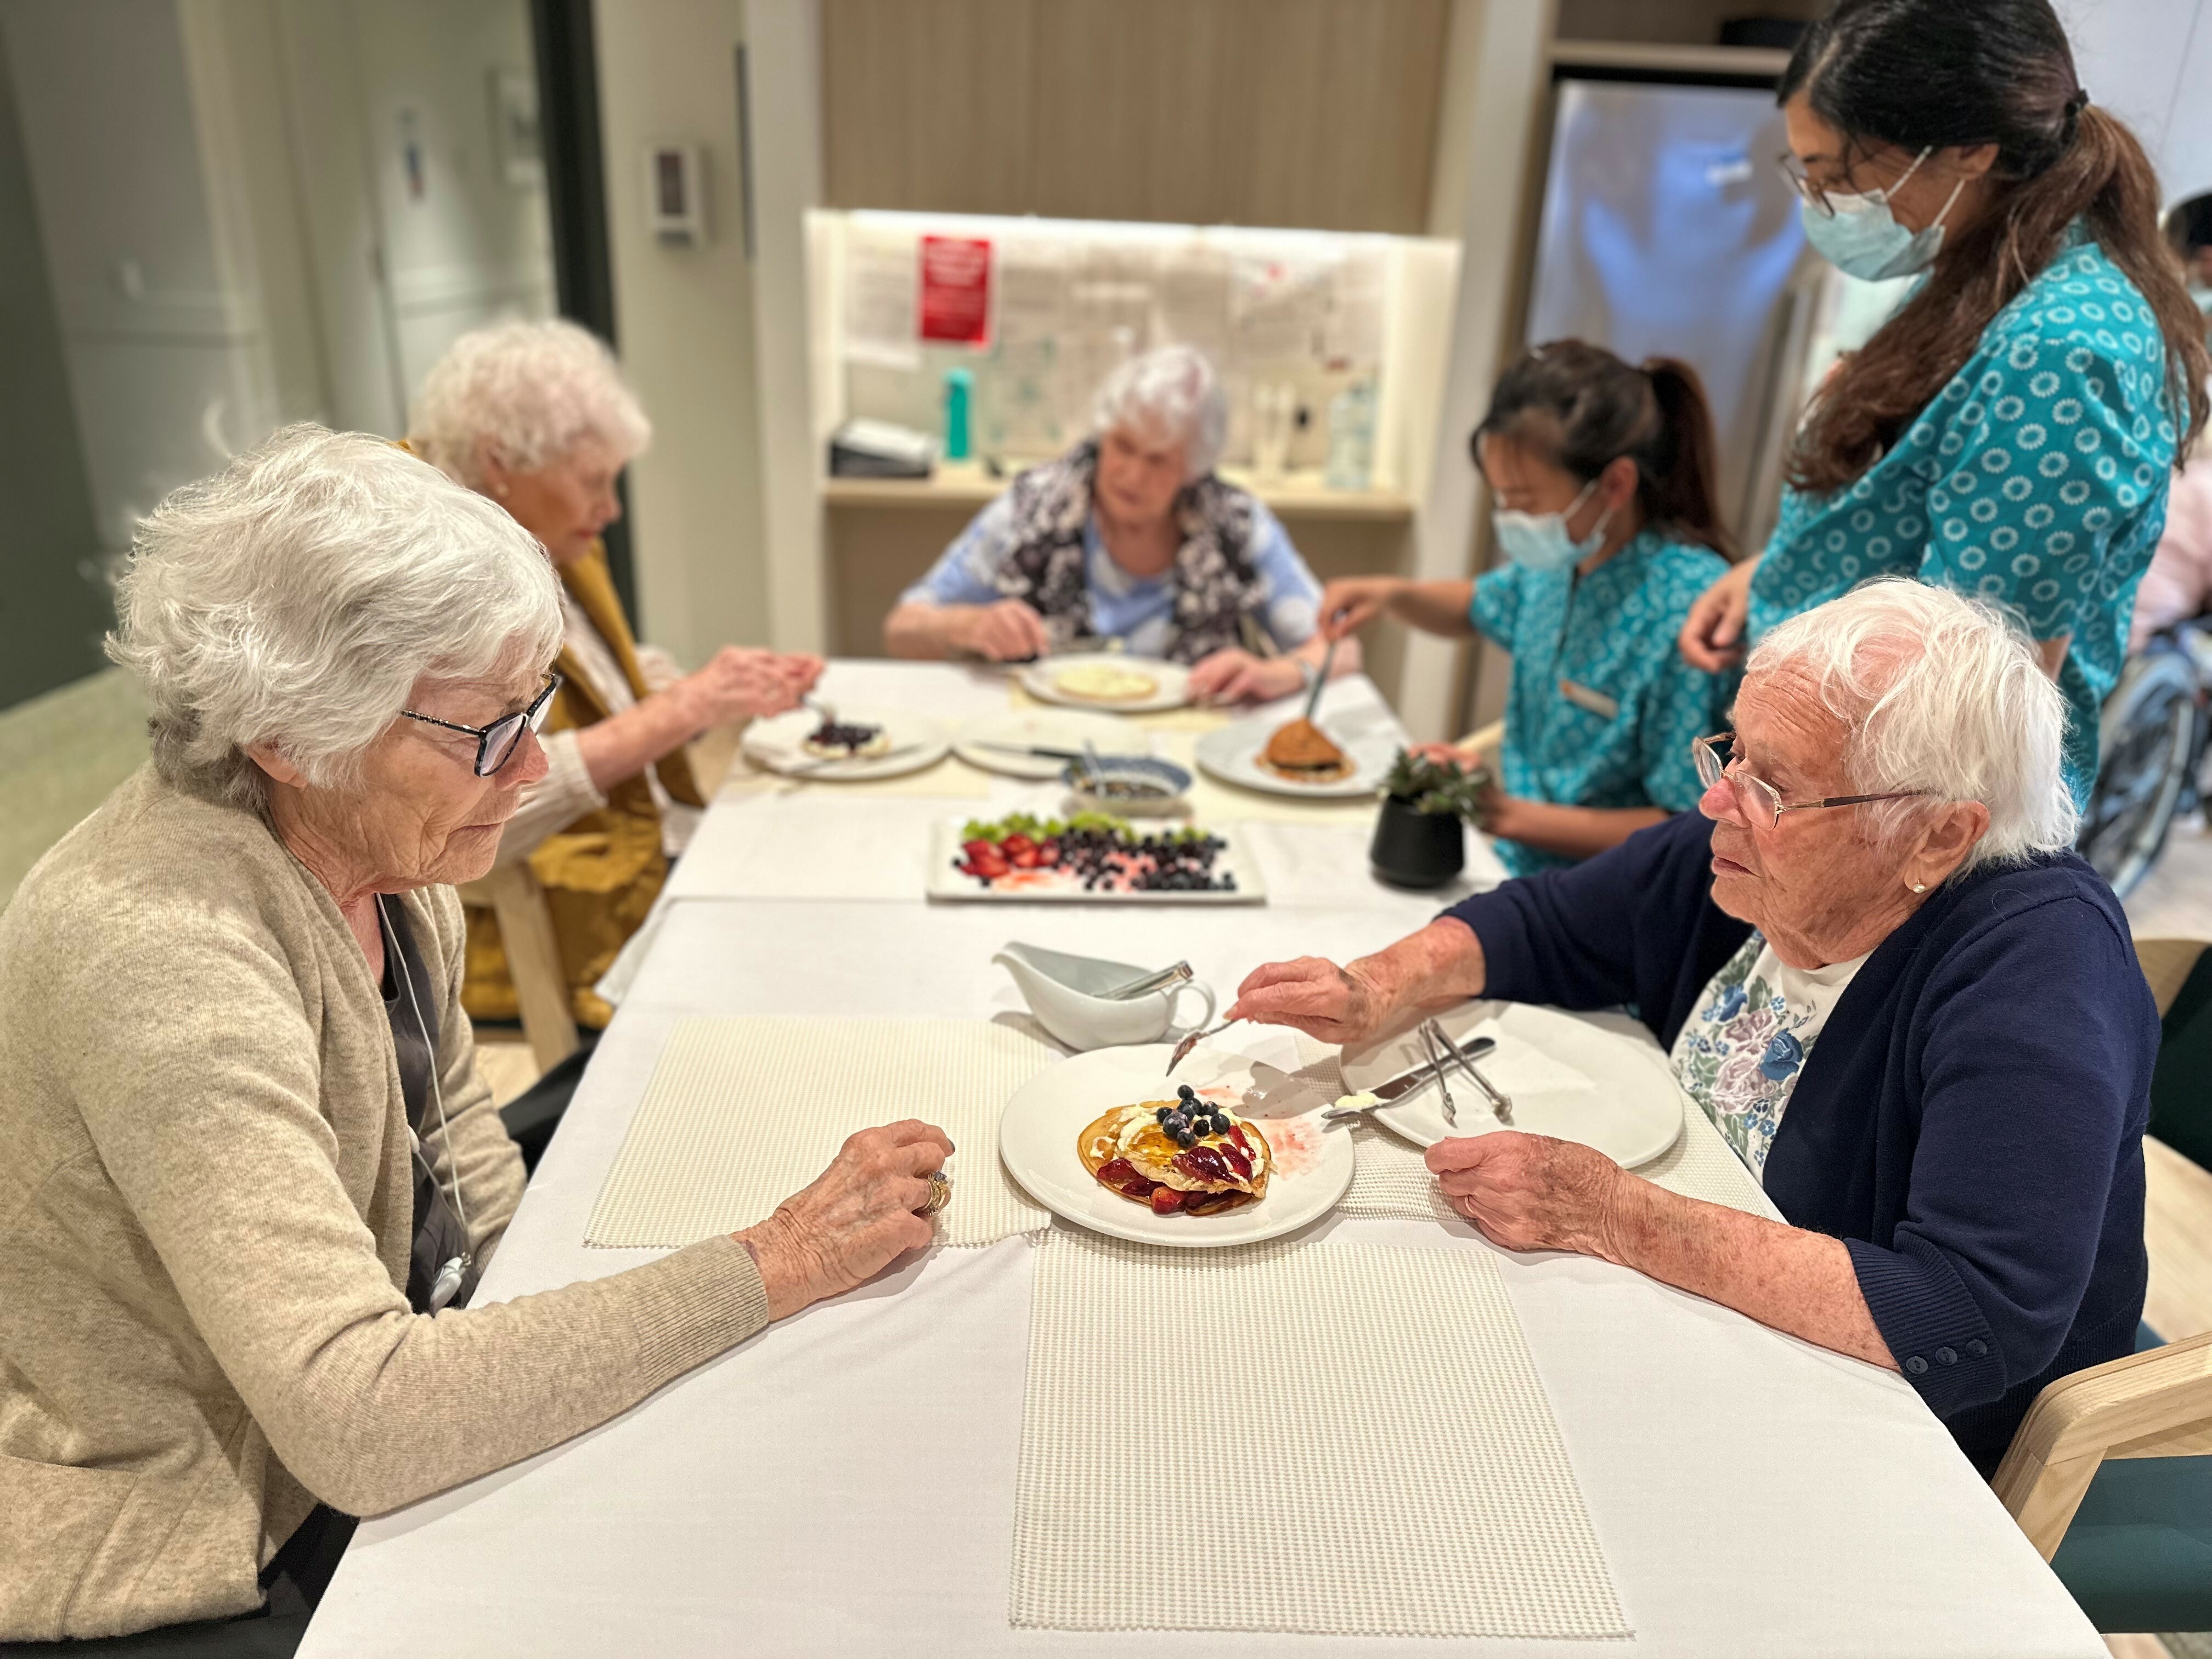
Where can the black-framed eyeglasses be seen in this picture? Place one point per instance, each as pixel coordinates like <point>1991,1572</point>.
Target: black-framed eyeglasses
<point>1755,797</point>
<point>496,743</point>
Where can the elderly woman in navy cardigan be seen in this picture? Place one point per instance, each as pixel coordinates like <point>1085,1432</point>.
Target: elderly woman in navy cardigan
<point>1915,1015</point>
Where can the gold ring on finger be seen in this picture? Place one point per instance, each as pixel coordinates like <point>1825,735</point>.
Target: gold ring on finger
<point>940,1192</point>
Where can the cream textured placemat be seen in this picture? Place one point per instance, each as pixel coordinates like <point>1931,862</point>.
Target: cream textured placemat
<point>743,1112</point>
<point>1328,1438</point>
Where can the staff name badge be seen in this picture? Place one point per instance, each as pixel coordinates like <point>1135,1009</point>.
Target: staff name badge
<point>1582,696</point>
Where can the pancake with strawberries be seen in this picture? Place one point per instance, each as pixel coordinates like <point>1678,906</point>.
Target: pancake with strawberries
<point>1179,1157</point>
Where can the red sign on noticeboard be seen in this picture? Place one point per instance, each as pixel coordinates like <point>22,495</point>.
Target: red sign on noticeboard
<point>955,290</point>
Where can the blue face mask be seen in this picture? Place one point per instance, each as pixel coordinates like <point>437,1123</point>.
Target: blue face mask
<point>1861,237</point>
<point>1540,540</point>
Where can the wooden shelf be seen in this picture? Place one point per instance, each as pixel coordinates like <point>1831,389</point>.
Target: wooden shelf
<point>966,484</point>
<point>1766,62</point>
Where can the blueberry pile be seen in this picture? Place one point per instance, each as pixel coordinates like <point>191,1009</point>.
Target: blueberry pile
<point>831,734</point>
<point>1180,864</point>
<point>1189,1119</point>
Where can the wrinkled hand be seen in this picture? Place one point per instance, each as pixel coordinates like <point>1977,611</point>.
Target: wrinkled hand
<point>1313,995</point>
<point>1008,631</point>
<point>854,1220</point>
<point>1531,1193</point>
<point>1350,603</point>
<point>742,683</point>
<point>1712,635</point>
<point>1235,675</point>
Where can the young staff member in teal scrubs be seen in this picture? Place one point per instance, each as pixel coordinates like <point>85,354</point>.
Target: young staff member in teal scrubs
<point>2011,431</point>
<point>1602,475</point>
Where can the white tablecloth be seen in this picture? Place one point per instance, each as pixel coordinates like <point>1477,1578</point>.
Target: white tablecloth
<point>844,1482</point>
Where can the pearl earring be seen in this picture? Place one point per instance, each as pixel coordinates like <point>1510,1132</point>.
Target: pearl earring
<point>1918,886</point>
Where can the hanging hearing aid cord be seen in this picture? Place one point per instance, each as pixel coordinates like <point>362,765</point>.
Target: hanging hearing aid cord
<point>452,1275</point>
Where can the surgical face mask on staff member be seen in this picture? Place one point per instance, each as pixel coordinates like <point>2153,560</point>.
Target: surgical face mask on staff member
<point>1540,540</point>
<point>1861,237</point>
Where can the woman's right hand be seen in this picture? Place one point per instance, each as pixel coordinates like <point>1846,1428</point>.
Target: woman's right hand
<point>856,1218</point>
<point>1313,995</point>
<point>1712,637</point>
<point>1008,631</point>
<point>1350,603</point>
<point>744,682</point>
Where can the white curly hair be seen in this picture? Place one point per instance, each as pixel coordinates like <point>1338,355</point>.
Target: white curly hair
<point>295,598</point>
<point>1169,395</point>
<point>1943,693</point>
<point>526,392</point>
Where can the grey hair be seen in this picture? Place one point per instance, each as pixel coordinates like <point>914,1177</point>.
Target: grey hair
<point>527,392</point>
<point>1167,396</point>
<point>1943,693</point>
<point>294,600</point>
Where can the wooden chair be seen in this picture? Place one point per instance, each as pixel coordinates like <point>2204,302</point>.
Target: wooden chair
<point>512,893</point>
<point>2110,1474</point>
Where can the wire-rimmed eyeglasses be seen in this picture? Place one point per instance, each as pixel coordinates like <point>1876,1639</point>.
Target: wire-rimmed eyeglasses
<point>1759,800</point>
<point>496,743</point>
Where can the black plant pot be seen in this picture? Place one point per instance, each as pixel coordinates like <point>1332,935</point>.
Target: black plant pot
<point>1416,849</point>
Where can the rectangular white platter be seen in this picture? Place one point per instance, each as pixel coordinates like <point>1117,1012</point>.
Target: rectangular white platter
<point>946,884</point>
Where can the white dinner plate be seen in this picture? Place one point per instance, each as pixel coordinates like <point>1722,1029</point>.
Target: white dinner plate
<point>916,741</point>
<point>947,884</point>
<point>1172,682</point>
<point>1047,728</point>
<point>1233,755</point>
<point>1598,1078</point>
<point>1037,1137</point>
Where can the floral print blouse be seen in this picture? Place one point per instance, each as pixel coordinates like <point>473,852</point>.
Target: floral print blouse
<point>1741,1051</point>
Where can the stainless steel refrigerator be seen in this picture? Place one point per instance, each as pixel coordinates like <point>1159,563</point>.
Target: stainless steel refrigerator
<point>1669,230</point>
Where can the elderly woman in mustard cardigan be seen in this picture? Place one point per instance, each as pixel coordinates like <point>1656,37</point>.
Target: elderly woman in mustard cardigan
<point>536,416</point>
<point>252,1176</point>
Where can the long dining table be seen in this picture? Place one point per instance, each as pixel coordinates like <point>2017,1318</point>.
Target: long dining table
<point>845,1481</point>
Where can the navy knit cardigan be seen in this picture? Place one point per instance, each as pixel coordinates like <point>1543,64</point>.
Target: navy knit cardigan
<point>1970,1121</point>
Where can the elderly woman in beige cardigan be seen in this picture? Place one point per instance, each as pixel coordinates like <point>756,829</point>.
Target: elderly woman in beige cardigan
<point>248,1149</point>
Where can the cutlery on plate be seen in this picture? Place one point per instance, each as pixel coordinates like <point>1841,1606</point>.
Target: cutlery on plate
<point>1033,751</point>
<point>810,767</point>
<point>1437,1064</point>
<point>1391,1090</point>
<point>1501,1103</point>
<point>1178,973</point>
<point>1182,1050</point>
<point>826,710</point>
<point>1313,695</point>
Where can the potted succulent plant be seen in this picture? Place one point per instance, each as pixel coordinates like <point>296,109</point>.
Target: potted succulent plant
<point>1418,842</point>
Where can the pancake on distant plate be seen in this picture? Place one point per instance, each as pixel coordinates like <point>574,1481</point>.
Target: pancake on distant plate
<point>832,740</point>
<point>1302,752</point>
<point>1105,682</point>
<point>1181,1157</point>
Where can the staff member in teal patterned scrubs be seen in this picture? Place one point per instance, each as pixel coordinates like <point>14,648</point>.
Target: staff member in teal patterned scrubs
<point>1602,476</point>
<point>2012,430</point>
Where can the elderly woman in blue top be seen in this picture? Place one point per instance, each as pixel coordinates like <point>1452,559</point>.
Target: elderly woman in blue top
<point>1129,536</point>
<point>1602,476</point>
<point>1915,1015</point>
<point>2010,432</point>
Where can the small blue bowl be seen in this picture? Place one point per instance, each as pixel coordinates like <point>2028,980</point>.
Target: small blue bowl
<point>1128,784</point>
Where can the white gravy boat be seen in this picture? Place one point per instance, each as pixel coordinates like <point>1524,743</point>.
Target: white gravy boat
<point>1065,993</point>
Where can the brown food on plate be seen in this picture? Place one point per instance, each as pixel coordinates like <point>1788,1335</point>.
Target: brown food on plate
<point>1303,752</point>
<point>1174,1166</point>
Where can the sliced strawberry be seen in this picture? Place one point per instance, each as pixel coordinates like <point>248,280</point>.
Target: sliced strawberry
<point>1023,858</point>
<point>1202,1164</point>
<point>1048,852</point>
<point>1234,1156</point>
<point>973,849</point>
<point>1016,844</point>
<point>1166,1200</point>
<point>1237,1135</point>
<point>990,866</point>
<point>1117,1172</point>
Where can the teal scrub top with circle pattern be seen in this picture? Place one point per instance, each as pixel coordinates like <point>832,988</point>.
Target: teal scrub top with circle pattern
<point>2037,479</point>
<point>1611,633</point>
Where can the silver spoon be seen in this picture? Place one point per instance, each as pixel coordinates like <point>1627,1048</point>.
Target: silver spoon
<point>1182,1050</point>
<point>1327,661</point>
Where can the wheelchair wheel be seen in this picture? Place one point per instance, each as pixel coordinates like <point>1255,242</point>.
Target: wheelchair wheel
<point>2152,732</point>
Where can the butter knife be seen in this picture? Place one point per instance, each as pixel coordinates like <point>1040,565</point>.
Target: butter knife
<point>1395,1089</point>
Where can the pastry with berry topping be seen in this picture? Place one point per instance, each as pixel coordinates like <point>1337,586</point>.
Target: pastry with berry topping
<point>834,741</point>
<point>1183,1157</point>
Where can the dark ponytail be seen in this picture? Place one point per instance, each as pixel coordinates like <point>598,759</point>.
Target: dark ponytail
<point>1934,74</point>
<point>1581,408</point>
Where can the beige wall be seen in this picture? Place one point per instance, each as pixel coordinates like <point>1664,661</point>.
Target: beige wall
<point>683,316</point>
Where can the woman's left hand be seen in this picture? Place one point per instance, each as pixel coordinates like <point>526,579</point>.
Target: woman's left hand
<point>1531,1193</point>
<point>1235,675</point>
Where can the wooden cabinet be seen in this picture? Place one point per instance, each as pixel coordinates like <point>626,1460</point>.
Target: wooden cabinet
<point>1315,114</point>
